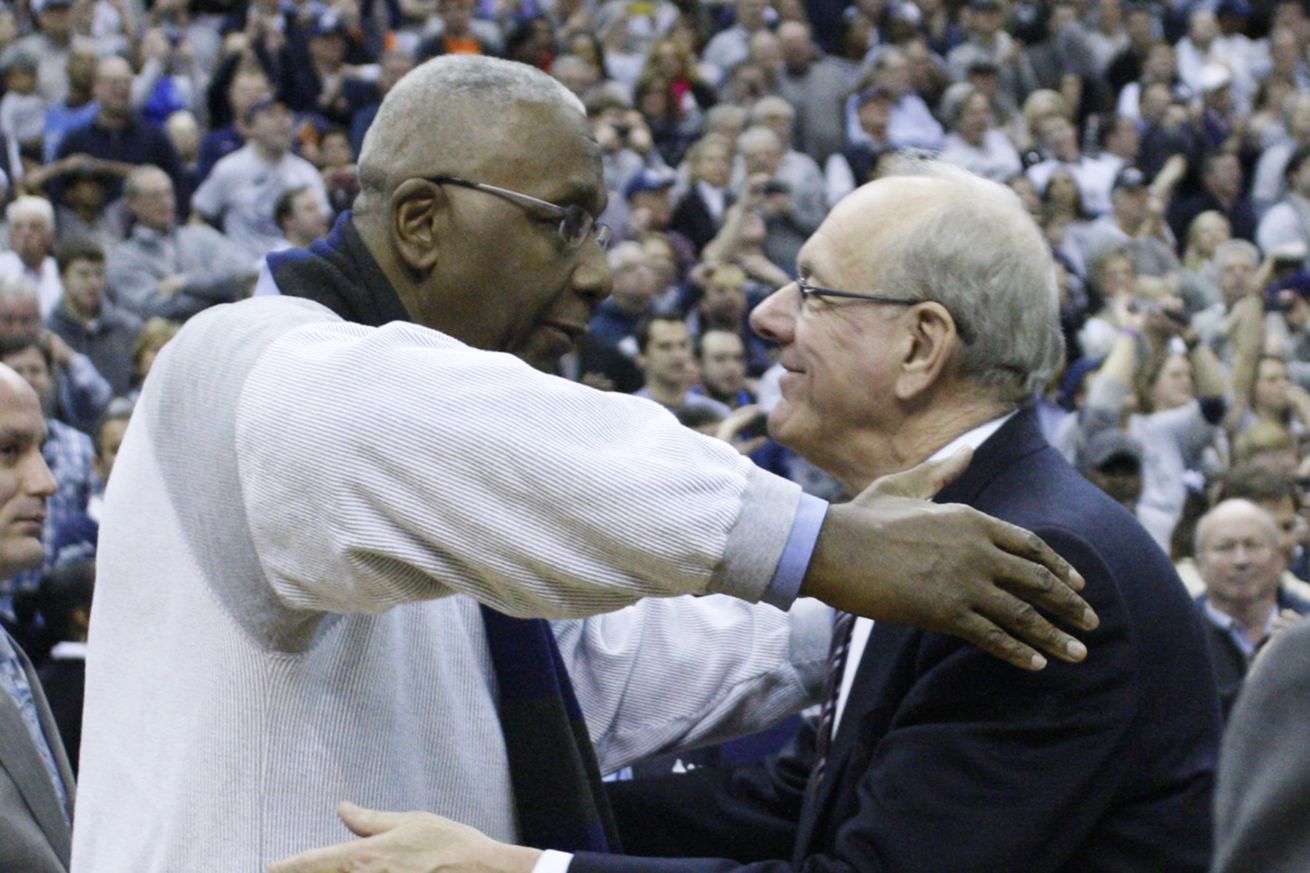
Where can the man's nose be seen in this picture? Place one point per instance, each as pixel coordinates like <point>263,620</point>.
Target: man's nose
<point>592,280</point>
<point>40,482</point>
<point>775,318</point>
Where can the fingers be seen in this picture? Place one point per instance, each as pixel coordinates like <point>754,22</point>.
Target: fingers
<point>1016,618</point>
<point>330,860</point>
<point>1033,572</point>
<point>924,481</point>
<point>368,822</point>
<point>996,642</point>
<point>1026,544</point>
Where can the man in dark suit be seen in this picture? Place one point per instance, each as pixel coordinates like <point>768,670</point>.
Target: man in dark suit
<point>36,786</point>
<point>925,319</point>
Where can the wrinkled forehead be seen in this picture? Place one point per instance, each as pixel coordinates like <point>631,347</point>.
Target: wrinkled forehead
<point>860,229</point>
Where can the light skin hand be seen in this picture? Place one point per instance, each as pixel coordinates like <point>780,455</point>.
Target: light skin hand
<point>948,568</point>
<point>738,420</point>
<point>410,842</point>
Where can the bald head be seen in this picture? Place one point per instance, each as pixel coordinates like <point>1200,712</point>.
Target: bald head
<point>1232,515</point>
<point>25,480</point>
<point>445,117</point>
<point>944,234</point>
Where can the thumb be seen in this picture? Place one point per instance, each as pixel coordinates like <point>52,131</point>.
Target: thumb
<point>921,482</point>
<point>368,822</point>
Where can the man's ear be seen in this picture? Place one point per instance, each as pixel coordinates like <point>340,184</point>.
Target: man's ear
<point>415,207</point>
<point>931,345</point>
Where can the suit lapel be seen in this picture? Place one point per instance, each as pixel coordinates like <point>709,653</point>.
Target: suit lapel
<point>884,660</point>
<point>21,761</point>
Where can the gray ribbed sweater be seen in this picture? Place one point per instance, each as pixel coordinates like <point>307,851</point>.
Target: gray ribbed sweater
<point>295,501</point>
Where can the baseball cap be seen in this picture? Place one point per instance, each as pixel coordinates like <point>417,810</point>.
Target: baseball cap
<point>647,180</point>
<point>1110,445</point>
<point>1129,178</point>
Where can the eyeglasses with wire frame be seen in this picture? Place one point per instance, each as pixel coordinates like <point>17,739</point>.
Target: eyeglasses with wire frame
<point>809,291</point>
<point>575,223</point>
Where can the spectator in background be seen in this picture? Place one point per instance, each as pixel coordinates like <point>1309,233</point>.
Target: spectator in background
<point>1239,560</point>
<point>247,86</point>
<point>155,334</point>
<point>815,85</point>
<point>239,194</point>
<point>50,45</point>
<point>1112,461</point>
<point>22,109</point>
<point>32,238</point>
<point>1288,221</point>
<point>1269,184</point>
<point>86,320</point>
<point>721,355</point>
<point>975,143</point>
<point>911,125</point>
<point>118,139</point>
<point>730,46</point>
<point>700,211</point>
<point>163,269</point>
<point>69,454</point>
<point>299,215</point>
<point>664,356</point>
<point>78,108</point>
<point>1059,146</point>
<point>1222,191</point>
<point>792,204</point>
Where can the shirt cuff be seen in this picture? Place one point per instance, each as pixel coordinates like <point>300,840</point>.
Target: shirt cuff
<point>552,861</point>
<point>796,553</point>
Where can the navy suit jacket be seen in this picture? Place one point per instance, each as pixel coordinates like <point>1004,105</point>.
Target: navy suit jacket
<point>948,759</point>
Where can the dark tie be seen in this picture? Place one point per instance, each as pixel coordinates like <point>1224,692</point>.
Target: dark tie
<point>842,624</point>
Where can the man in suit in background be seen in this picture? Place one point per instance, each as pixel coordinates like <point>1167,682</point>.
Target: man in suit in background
<point>926,318</point>
<point>36,785</point>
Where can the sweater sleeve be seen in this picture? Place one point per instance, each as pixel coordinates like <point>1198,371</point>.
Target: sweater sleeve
<point>380,466</point>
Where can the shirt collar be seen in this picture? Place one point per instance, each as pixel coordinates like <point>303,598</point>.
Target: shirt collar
<point>974,437</point>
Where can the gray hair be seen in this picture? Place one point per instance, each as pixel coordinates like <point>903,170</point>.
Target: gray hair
<point>1225,507</point>
<point>16,286</point>
<point>725,113</point>
<point>424,112</point>
<point>1236,247</point>
<point>980,255</point>
<point>38,207</point>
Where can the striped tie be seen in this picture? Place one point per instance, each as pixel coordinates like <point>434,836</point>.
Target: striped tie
<point>842,624</point>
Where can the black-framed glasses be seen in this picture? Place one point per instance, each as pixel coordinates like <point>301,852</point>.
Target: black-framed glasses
<point>575,222</point>
<point>809,291</point>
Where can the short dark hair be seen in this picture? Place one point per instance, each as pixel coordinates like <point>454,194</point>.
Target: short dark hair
<point>13,345</point>
<point>282,208</point>
<point>698,346</point>
<point>1258,485</point>
<point>64,590</point>
<point>643,327</point>
<point>78,248</point>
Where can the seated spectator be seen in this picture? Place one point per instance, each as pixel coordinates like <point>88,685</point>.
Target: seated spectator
<point>1288,221</point>
<point>86,320</point>
<point>32,239</point>
<point>86,212</point>
<point>49,44</point>
<point>700,211</point>
<point>455,31</point>
<point>1135,225</point>
<point>78,108</point>
<point>1059,146</point>
<point>239,194</point>
<point>1269,185</point>
<point>118,138</point>
<point>163,269</point>
<point>1268,446</point>
<point>64,600</point>
<point>247,85</point>
<point>155,334</point>
<point>1112,461</point>
<point>858,162</point>
<point>912,125</point>
<point>976,144</point>
<point>664,356</point>
<point>1114,280</point>
<point>69,454</point>
<point>300,217</point>
<point>108,439</point>
<point>1221,191</point>
<point>1239,560</point>
<point>1198,285</point>
<point>721,355</point>
<point>617,318</point>
<point>730,46</point>
<point>81,393</point>
<point>323,85</point>
<point>22,109</point>
<point>815,85</point>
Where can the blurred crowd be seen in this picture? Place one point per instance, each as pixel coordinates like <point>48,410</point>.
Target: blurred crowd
<point>153,155</point>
